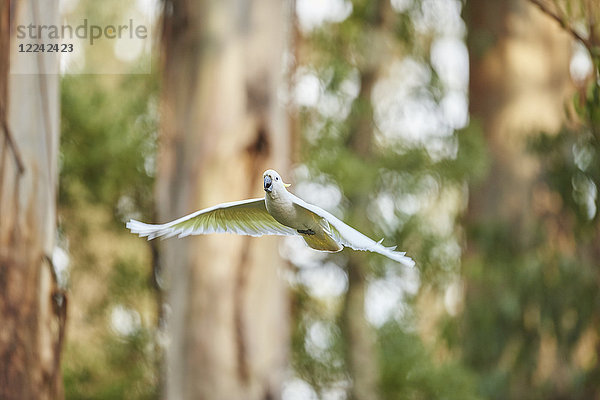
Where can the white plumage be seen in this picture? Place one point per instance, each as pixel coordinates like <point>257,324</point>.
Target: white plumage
<point>278,213</point>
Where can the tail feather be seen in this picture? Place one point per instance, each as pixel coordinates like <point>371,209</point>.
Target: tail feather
<point>322,241</point>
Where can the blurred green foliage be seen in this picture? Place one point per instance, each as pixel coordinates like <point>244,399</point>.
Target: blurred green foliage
<point>530,323</point>
<point>346,53</point>
<point>410,371</point>
<point>108,138</point>
<point>108,144</point>
<point>531,301</point>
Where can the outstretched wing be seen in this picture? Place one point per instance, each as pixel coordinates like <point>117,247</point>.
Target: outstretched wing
<point>350,237</point>
<point>246,217</point>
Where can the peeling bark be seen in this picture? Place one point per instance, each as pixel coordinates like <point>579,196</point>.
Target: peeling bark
<point>32,307</point>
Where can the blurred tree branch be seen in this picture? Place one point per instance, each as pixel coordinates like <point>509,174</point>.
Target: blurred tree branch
<point>562,18</point>
<point>4,72</point>
<point>10,142</point>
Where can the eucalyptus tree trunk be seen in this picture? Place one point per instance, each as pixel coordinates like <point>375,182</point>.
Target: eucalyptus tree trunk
<point>222,126</point>
<point>362,355</point>
<point>360,337</point>
<point>32,308</point>
<point>519,62</point>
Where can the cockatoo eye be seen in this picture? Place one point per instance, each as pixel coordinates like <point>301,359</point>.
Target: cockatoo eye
<point>276,178</point>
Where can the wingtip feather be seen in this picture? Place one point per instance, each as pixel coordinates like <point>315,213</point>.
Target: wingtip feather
<point>142,229</point>
<point>401,258</point>
<point>398,256</point>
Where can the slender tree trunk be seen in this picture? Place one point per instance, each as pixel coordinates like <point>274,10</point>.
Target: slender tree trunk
<point>519,83</point>
<point>360,338</point>
<point>222,127</point>
<point>362,351</point>
<point>32,309</point>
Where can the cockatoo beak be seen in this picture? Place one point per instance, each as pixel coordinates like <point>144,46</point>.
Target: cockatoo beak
<point>268,184</point>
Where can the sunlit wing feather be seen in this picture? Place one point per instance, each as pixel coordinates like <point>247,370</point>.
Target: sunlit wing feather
<point>350,237</point>
<point>246,217</point>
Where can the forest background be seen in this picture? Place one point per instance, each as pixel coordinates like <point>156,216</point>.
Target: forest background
<point>466,132</point>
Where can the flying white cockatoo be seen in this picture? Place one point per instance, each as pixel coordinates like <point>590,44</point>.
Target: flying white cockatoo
<point>278,213</point>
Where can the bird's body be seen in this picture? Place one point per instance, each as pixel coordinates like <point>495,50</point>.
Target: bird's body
<point>283,210</point>
<point>278,213</point>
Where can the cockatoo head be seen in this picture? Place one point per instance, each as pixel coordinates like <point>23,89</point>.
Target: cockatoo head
<point>272,181</point>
